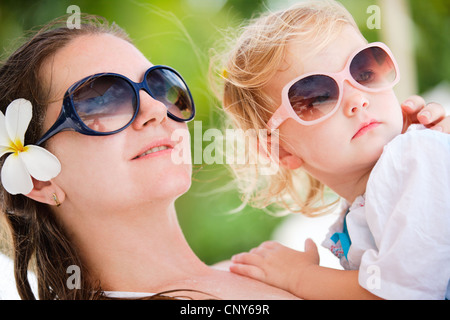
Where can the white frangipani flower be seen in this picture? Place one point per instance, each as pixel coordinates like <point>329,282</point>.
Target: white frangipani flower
<point>24,161</point>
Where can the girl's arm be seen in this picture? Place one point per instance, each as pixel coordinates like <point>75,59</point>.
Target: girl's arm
<point>321,283</point>
<point>298,272</point>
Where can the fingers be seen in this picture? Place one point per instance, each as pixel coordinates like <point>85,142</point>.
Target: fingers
<point>431,113</point>
<point>247,258</point>
<point>249,264</point>
<point>248,271</point>
<point>413,104</point>
<point>256,255</point>
<point>311,248</point>
<point>275,264</point>
<point>252,263</point>
<point>443,125</point>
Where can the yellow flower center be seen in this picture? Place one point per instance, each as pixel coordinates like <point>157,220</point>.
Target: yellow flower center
<point>17,147</point>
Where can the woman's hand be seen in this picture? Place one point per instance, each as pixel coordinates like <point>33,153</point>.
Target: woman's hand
<point>431,115</point>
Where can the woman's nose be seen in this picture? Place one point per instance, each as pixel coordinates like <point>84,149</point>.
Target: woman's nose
<point>151,111</point>
<point>353,100</point>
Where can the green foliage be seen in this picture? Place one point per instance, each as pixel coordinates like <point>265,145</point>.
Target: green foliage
<point>432,39</point>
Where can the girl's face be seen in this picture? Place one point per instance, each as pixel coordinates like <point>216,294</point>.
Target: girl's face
<point>106,172</point>
<point>336,145</point>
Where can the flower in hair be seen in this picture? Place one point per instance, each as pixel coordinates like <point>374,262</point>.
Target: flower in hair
<point>224,73</point>
<point>23,161</point>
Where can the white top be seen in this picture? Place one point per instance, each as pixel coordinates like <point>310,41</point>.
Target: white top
<point>127,294</point>
<point>400,228</point>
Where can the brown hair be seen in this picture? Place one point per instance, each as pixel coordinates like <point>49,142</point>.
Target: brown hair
<point>35,232</point>
<point>245,69</point>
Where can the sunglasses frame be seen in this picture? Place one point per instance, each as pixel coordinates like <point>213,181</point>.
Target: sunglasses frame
<point>69,119</point>
<point>285,110</point>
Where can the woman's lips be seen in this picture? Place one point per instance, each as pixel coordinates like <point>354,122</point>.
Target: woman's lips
<point>155,149</point>
<point>365,127</point>
<point>152,151</point>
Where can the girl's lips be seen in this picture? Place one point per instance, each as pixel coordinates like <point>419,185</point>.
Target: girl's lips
<point>365,127</point>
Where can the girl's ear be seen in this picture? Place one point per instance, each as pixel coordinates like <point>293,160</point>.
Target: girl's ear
<point>287,159</point>
<point>290,161</point>
<point>47,192</point>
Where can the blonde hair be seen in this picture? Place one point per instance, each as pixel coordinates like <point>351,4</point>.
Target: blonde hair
<point>254,59</point>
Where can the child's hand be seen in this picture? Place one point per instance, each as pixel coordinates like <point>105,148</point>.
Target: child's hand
<point>431,115</point>
<point>276,264</point>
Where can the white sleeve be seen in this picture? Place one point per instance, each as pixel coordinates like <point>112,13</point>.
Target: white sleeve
<point>408,213</point>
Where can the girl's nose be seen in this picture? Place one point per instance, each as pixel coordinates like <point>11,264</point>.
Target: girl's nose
<point>151,111</point>
<point>353,100</point>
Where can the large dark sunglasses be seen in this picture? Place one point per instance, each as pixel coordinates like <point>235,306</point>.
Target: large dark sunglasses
<point>107,103</point>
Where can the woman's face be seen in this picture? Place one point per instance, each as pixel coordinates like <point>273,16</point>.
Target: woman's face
<point>106,172</point>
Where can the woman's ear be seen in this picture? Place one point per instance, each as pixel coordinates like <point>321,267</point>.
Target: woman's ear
<point>47,192</point>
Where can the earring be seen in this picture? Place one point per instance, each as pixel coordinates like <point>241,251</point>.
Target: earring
<point>55,198</point>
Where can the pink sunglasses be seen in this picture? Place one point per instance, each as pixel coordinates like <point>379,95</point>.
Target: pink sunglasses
<point>314,97</point>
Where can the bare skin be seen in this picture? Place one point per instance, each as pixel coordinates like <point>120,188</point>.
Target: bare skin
<point>119,211</point>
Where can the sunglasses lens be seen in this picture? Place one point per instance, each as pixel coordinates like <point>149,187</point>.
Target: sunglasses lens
<point>105,104</point>
<point>373,68</point>
<point>313,97</point>
<point>167,87</point>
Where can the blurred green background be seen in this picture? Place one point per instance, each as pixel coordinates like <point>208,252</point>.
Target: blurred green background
<point>179,33</point>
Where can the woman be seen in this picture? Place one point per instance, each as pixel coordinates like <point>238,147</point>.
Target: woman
<point>110,211</point>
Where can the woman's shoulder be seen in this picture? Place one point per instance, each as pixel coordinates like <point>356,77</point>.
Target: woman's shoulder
<point>230,286</point>
<point>215,283</point>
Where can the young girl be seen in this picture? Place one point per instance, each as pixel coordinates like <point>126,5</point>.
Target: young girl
<point>309,75</point>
